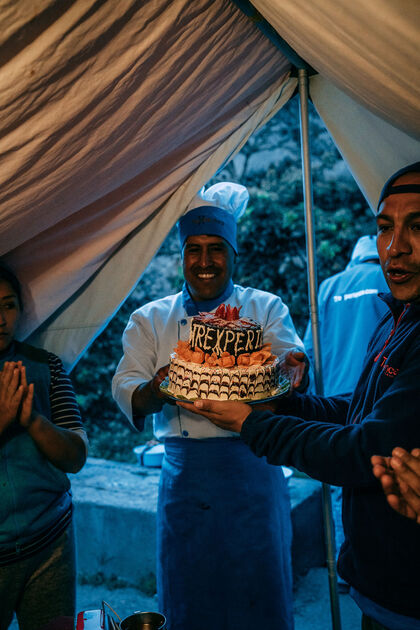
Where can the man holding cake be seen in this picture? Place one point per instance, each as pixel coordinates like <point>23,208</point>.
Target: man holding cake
<point>224,529</point>
<point>338,439</point>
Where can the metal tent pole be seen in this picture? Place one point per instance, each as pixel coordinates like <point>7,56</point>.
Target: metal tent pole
<point>313,300</point>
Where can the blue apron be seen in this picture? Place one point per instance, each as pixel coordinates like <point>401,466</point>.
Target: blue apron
<point>224,538</point>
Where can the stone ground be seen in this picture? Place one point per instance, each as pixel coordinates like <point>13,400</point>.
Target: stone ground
<point>312,604</point>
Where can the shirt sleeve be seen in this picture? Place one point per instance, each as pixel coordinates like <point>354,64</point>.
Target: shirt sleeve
<point>65,411</point>
<point>138,363</point>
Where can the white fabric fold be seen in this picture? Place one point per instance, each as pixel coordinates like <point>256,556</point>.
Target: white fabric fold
<point>109,109</point>
<point>370,50</point>
<point>372,148</point>
<point>114,114</point>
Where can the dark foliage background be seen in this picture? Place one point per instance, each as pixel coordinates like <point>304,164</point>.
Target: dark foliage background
<point>272,255</point>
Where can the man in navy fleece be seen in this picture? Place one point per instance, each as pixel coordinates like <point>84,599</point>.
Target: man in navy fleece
<point>349,311</point>
<point>333,439</point>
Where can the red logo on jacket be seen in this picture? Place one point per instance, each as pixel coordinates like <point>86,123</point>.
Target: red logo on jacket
<point>387,369</point>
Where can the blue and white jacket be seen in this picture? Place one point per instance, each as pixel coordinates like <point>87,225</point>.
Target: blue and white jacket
<point>153,332</point>
<point>349,310</point>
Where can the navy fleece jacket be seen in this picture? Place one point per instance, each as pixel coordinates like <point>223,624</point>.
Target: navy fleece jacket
<point>332,439</point>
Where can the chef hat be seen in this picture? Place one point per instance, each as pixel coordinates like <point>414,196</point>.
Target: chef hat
<point>214,212</point>
<point>365,249</point>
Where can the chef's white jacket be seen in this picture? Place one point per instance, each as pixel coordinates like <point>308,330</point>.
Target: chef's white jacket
<point>152,334</point>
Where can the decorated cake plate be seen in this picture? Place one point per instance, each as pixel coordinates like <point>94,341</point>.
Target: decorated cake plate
<point>282,390</point>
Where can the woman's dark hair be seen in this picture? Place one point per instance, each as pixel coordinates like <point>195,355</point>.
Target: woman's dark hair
<point>7,275</point>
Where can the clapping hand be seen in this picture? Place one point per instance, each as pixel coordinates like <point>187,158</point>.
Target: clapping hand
<point>400,479</point>
<point>16,397</point>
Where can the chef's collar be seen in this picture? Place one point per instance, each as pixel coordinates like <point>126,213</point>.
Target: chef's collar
<point>206,306</point>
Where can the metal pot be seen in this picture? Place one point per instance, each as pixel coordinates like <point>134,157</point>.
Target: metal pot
<point>144,621</point>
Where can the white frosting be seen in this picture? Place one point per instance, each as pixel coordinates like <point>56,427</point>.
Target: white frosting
<point>193,380</point>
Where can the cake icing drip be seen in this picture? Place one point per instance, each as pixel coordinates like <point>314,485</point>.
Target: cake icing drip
<point>223,359</point>
<point>193,380</point>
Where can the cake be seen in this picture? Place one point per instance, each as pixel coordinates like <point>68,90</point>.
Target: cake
<point>224,359</point>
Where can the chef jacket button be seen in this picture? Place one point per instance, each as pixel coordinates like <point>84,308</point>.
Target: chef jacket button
<point>183,322</point>
<point>185,433</point>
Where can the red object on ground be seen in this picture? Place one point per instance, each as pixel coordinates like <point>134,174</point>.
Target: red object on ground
<point>88,620</point>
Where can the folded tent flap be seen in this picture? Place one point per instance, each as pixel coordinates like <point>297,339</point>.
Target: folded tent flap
<point>94,171</point>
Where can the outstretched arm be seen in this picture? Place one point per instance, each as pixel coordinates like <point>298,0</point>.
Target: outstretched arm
<point>306,431</point>
<point>229,415</point>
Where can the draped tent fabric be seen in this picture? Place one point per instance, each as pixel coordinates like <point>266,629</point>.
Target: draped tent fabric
<point>114,114</point>
<point>372,148</point>
<point>370,50</point>
<point>83,316</point>
<point>108,108</point>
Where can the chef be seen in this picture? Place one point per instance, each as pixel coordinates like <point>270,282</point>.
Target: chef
<point>223,522</point>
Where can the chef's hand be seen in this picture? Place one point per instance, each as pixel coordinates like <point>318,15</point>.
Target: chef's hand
<point>158,379</point>
<point>296,366</point>
<point>147,398</point>
<point>229,414</point>
<point>400,479</point>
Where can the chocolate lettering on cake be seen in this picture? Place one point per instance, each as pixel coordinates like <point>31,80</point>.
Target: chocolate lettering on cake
<point>238,345</point>
<point>209,337</point>
<point>219,336</point>
<point>198,333</point>
<point>230,336</point>
<point>249,347</point>
<point>219,339</point>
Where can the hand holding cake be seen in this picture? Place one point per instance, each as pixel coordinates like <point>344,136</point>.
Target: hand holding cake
<point>296,365</point>
<point>229,415</point>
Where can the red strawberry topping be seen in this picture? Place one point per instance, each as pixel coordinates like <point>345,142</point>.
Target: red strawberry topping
<point>228,313</point>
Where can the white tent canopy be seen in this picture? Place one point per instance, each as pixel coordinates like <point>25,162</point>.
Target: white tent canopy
<point>115,114</point>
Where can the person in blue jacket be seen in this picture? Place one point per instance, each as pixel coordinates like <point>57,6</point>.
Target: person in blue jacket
<point>349,310</point>
<point>334,438</point>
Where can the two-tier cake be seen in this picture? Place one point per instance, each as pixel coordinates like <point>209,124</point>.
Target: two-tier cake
<point>224,359</point>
